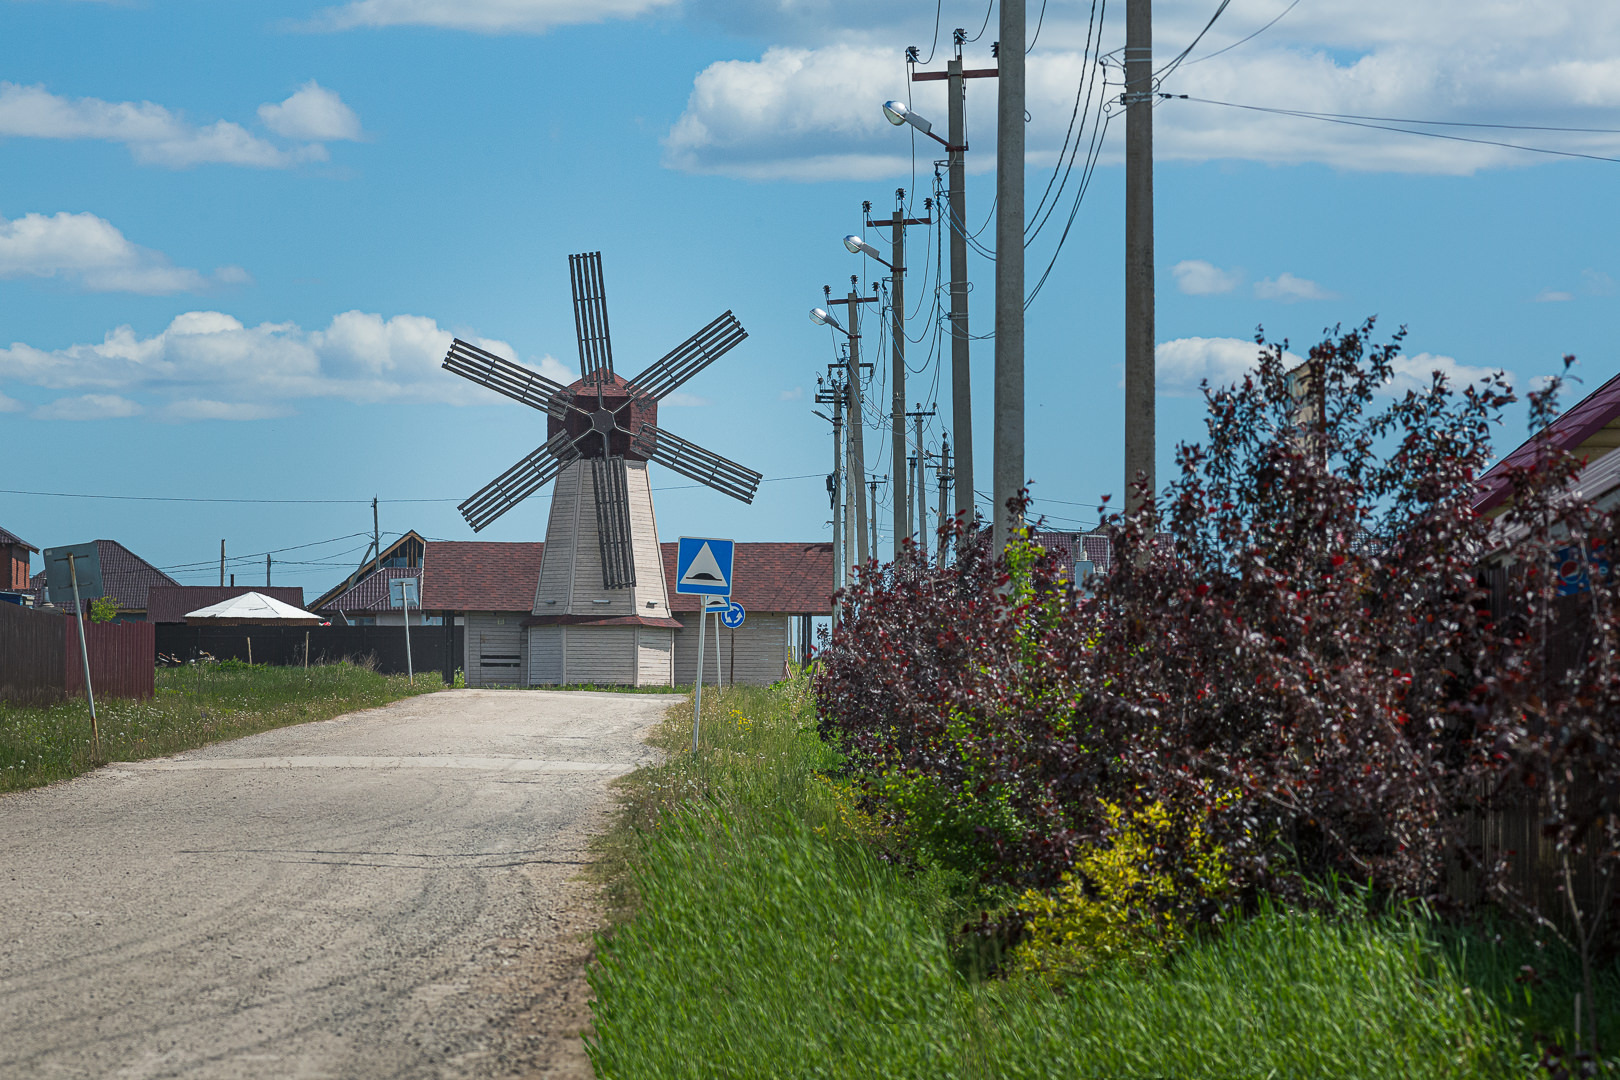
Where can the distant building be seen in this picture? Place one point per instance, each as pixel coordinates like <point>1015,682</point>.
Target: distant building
<point>170,603</point>
<point>125,576</point>
<point>15,553</point>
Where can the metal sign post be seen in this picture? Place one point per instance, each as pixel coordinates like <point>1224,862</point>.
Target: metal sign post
<point>719,605</point>
<point>400,590</point>
<point>703,568</point>
<point>64,561</point>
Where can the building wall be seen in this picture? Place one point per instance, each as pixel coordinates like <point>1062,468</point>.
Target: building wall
<point>495,654</point>
<point>754,654</point>
<point>656,648</point>
<point>546,655</point>
<point>600,654</point>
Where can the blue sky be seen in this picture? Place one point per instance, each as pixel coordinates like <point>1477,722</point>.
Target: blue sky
<point>235,239</point>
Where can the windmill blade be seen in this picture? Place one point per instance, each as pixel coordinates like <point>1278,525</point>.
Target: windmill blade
<point>696,463</point>
<point>613,522</point>
<point>590,314</point>
<point>506,377</point>
<point>519,482</point>
<point>689,357</point>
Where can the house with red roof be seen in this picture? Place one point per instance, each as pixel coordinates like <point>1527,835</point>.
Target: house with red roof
<point>492,590</point>
<point>125,577</point>
<point>15,556</point>
<point>1590,430</point>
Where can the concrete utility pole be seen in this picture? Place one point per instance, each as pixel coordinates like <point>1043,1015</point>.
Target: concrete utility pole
<point>873,484</point>
<point>897,319</point>
<point>857,456</point>
<point>835,480</point>
<point>944,486</point>
<point>1008,465</point>
<point>222,563</point>
<point>961,357</point>
<point>1140,438</point>
<point>918,509</point>
<point>267,571</point>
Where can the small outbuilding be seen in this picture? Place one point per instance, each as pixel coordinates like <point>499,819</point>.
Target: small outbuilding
<point>251,609</point>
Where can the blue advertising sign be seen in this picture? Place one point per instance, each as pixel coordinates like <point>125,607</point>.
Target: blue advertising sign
<point>703,566</point>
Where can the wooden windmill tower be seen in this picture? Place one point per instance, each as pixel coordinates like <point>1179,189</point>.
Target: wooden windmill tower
<point>601,608</point>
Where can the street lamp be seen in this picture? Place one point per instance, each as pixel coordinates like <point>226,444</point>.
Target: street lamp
<point>823,317</point>
<point>898,114</point>
<point>857,246</point>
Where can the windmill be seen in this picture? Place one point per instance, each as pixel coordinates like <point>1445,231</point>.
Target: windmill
<point>601,431</point>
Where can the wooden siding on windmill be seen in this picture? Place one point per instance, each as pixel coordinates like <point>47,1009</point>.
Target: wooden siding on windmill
<point>756,654</point>
<point>600,654</point>
<point>494,645</point>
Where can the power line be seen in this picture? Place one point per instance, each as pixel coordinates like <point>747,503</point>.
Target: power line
<point>1164,72</point>
<point>1332,118</point>
<point>205,563</point>
<point>1251,37</point>
<point>991,6</point>
<point>168,498</point>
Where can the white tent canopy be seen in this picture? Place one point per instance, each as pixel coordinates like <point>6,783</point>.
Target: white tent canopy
<point>254,607</point>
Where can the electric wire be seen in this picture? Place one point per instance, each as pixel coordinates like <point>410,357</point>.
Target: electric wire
<point>991,6</point>
<point>1334,119</point>
<point>1250,37</point>
<point>1164,72</point>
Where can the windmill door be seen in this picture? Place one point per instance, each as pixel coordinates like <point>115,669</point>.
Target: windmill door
<point>495,649</point>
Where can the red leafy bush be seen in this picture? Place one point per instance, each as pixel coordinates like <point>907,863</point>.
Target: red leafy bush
<point>1301,669</point>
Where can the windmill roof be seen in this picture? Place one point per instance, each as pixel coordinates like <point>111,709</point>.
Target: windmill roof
<point>8,538</point>
<point>124,575</point>
<point>1577,430</point>
<point>794,578</point>
<point>170,603</point>
<point>480,575</point>
<point>254,606</point>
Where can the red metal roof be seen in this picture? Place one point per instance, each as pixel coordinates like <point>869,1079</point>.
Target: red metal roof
<point>124,575</point>
<point>170,603</point>
<point>1589,416</point>
<point>371,594</point>
<point>480,575</point>
<point>792,578</point>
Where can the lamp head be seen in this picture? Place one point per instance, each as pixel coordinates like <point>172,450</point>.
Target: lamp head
<point>823,317</point>
<point>895,112</point>
<point>857,246</point>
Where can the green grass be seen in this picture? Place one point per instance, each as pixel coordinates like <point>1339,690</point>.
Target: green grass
<point>194,705</point>
<point>762,933</point>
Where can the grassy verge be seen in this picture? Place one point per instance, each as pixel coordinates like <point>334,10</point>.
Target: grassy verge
<point>193,706</point>
<point>762,933</point>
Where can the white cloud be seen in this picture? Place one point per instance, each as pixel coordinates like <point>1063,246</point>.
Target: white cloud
<point>1288,288</point>
<point>92,252</point>
<point>1417,372</point>
<point>795,394</point>
<point>1195,277</point>
<point>1181,365</point>
<point>10,404</point>
<point>680,399</point>
<point>1553,296</point>
<point>483,16</point>
<point>209,365</point>
<point>154,135</point>
<point>313,114</point>
<point>1598,283</point>
<point>807,106</point>
<point>88,407</point>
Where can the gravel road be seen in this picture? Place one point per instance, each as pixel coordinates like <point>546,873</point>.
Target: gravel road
<point>390,894</point>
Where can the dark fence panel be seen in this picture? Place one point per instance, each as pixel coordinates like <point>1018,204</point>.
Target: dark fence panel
<point>120,659</point>
<point>32,656</point>
<point>433,648</point>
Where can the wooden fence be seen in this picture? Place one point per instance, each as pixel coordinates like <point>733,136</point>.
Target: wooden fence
<point>32,657</point>
<point>121,659</point>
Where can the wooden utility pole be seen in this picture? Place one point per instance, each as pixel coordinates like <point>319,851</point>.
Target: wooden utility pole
<point>1008,464</point>
<point>961,357</point>
<point>267,571</point>
<point>857,463</point>
<point>222,563</point>
<point>376,538</point>
<point>1140,436</point>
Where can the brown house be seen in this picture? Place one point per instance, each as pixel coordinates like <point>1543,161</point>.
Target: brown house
<point>125,576</point>
<point>15,553</point>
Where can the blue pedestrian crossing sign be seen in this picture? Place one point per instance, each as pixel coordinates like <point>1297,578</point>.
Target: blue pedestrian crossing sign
<point>703,566</point>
